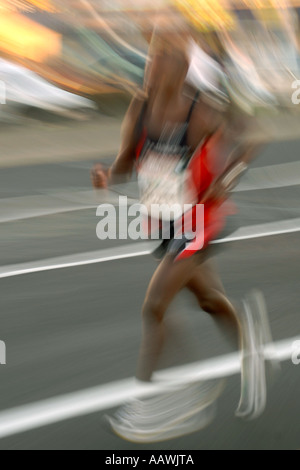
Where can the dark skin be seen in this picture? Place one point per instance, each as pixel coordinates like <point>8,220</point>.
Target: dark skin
<point>168,102</point>
<point>204,122</point>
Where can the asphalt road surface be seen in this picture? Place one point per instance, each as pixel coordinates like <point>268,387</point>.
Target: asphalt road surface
<point>70,308</point>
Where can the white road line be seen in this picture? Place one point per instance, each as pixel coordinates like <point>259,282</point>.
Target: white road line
<point>60,201</point>
<point>270,229</point>
<point>28,207</point>
<point>135,250</point>
<point>36,415</point>
<point>132,250</point>
<point>269,177</point>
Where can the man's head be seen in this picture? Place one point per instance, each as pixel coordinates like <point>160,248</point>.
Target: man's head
<point>168,58</point>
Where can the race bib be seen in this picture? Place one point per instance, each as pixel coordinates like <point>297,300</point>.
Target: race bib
<point>165,183</point>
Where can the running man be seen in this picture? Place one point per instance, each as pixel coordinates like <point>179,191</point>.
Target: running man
<point>179,133</point>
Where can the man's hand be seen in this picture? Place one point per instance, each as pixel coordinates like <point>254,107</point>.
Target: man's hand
<point>99,176</point>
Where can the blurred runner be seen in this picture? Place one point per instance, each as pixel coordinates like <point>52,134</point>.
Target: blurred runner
<point>173,132</point>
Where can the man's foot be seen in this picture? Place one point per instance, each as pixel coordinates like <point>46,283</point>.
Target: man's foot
<point>256,335</point>
<point>169,415</point>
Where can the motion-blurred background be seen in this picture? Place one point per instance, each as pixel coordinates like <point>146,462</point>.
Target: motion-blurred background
<point>70,56</point>
<point>68,69</point>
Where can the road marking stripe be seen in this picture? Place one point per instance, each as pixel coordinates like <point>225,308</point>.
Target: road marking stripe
<point>47,412</point>
<point>270,177</point>
<point>15,209</point>
<point>61,201</point>
<point>270,229</point>
<point>135,250</point>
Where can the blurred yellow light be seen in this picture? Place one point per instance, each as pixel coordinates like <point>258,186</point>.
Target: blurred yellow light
<point>263,4</point>
<point>42,4</point>
<point>24,38</point>
<point>206,15</point>
<point>45,5</point>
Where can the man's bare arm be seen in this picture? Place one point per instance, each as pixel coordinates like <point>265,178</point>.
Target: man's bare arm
<point>124,163</point>
<point>121,169</point>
